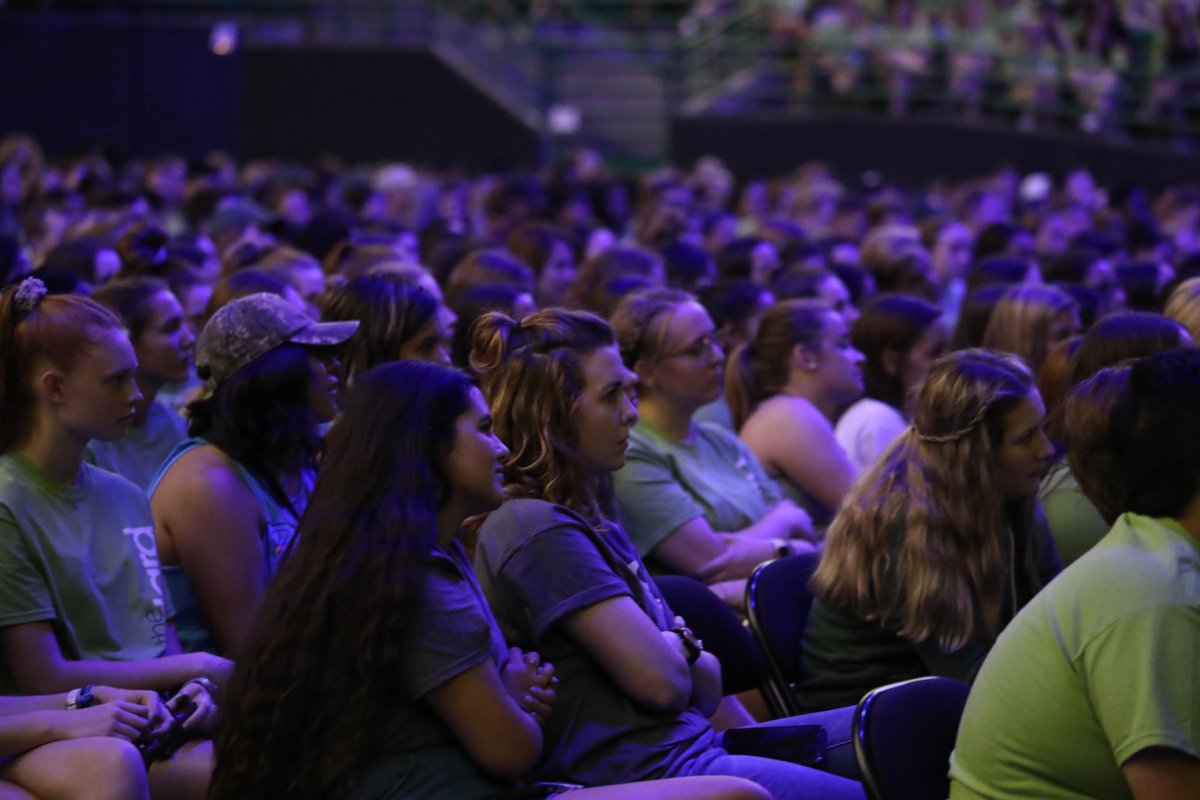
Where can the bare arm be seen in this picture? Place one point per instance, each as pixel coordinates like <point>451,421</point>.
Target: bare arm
<point>206,519</point>
<point>29,722</point>
<point>705,674</point>
<point>793,438</point>
<point>694,549</point>
<point>650,668</point>
<point>1160,773</point>
<point>499,736</point>
<point>38,666</point>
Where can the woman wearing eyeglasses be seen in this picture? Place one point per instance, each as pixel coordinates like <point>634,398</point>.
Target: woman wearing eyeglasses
<point>691,496</point>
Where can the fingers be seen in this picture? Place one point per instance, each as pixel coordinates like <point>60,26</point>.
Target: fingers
<point>120,730</point>
<point>202,704</point>
<point>135,709</point>
<point>544,675</point>
<point>535,707</point>
<point>543,695</point>
<point>129,721</point>
<point>159,718</point>
<point>204,717</point>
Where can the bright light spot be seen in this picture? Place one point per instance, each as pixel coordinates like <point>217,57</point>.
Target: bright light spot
<point>563,120</point>
<point>224,38</point>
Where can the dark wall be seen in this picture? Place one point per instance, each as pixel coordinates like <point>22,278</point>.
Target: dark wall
<point>378,104</point>
<point>913,152</point>
<point>74,80</point>
<point>78,80</point>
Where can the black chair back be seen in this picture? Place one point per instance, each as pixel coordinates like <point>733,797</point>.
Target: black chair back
<point>903,736</point>
<point>778,599</point>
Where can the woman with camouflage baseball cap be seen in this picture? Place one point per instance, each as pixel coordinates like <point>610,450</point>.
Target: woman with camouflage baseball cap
<point>227,502</point>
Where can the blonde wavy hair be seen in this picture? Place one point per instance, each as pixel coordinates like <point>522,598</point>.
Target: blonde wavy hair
<point>921,544</point>
<point>1020,323</point>
<point>1183,306</point>
<point>531,373</point>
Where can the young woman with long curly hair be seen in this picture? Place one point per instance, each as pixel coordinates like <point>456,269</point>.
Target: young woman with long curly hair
<point>563,577</point>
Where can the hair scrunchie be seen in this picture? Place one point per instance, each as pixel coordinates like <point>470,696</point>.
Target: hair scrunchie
<point>29,296</point>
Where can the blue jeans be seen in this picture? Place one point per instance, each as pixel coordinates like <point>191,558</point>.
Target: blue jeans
<point>836,779</point>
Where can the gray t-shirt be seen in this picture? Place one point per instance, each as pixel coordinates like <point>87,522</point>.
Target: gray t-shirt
<point>138,456</point>
<point>666,483</point>
<point>83,558</point>
<point>451,631</point>
<point>538,563</point>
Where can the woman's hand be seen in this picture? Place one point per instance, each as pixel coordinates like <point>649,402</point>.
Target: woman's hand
<point>123,720</point>
<point>158,716</point>
<point>788,521</point>
<point>203,718</point>
<point>531,683</point>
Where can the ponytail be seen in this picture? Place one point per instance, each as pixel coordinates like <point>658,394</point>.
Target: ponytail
<point>33,326</point>
<point>760,369</point>
<point>491,341</point>
<point>532,375</point>
<point>741,389</point>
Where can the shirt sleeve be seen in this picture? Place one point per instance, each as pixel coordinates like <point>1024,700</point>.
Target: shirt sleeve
<point>1140,675</point>
<point>24,594</point>
<point>557,572</point>
<point>651,501</point>
<point>448,635</point>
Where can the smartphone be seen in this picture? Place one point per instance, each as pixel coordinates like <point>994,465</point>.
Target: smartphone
<point>799,744</point>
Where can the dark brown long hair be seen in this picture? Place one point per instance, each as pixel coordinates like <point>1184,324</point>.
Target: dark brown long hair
<point>311,699</point>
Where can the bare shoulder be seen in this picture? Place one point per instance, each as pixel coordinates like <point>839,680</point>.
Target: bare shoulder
<point>206,478</point>
<point>781,414</point>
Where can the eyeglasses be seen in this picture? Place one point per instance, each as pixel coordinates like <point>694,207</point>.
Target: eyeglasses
<point>698,349</point>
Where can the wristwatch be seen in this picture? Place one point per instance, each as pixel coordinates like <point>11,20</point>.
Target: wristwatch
<point>80,698</point>
<point>693,645</point>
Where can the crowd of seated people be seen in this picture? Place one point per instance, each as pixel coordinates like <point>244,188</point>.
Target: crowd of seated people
<point>1091,64</point>
<point>355,481</point>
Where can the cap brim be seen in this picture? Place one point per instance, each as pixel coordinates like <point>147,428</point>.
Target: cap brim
<point>325,333</point>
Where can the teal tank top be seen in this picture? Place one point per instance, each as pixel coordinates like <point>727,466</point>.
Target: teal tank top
<point>281,524</point>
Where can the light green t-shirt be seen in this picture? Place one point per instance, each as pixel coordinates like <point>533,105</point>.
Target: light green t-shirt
<point>1098,667</point>
<point>143,450</point>
<point>82,557</point>
<point>666,483</point>
<point>1075,523</point>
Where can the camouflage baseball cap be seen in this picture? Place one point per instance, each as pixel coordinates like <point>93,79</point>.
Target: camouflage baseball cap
<point>250,326</point>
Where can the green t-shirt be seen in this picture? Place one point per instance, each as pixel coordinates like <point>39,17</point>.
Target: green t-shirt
<point>1101,665</point>
<point>143,450</point>
<point>666,483</point>
<point>82,557</point>
<point>1074,522</point>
